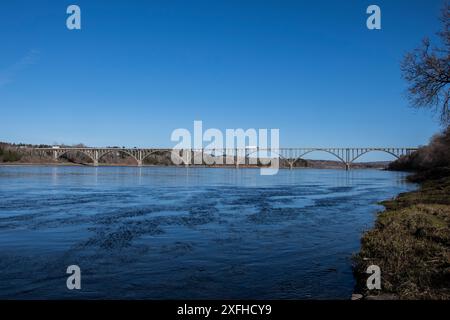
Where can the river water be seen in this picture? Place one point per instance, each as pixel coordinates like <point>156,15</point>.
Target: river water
<point>185,233</point>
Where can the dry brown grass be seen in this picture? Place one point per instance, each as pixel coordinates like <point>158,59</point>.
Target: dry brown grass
<point>411,244</point>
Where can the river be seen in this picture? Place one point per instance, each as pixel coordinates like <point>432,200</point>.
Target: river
<point>185,233</point>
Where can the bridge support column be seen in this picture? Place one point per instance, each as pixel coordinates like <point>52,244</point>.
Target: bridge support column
<point>139,158</point>
<point>95,158</point>
<point>291,165</point>
<point>187,156</point>
<point>347,159</point>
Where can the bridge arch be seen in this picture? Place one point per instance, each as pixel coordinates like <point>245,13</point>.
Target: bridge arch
<point>324,150</point>
<point>60,154</point>
<point>152,152</point>
<point>292,161</point>
<point>117,150</point>
<point>267,151</point>
<point>376,150</point>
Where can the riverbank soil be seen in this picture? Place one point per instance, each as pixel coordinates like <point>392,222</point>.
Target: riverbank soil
<point>411,244</point>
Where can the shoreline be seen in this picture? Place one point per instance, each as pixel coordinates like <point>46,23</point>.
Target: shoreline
<point>410,242</point>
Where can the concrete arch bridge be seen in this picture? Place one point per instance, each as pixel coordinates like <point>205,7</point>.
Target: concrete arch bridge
<point>240,156</point>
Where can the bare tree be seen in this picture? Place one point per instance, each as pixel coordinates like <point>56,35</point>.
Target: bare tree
<point>427,71</point>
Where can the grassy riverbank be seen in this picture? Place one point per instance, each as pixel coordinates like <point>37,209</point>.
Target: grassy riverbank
<point>410,241</point>
<point>411,244</point>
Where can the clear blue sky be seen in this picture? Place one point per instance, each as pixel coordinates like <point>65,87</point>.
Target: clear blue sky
<point>136,71</point>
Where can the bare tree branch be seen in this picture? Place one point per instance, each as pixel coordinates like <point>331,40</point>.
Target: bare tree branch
<point>427,71</point>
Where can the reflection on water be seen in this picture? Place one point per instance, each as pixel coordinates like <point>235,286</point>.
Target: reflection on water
<point>185,232</point>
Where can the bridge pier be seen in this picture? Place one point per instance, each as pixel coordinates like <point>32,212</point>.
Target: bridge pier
<point>347,166</point>
<point>187,157</point>
<point>140,156</point>
<point>95,158</point>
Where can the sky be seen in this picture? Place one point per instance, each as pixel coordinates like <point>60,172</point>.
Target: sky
<point>138,70</point>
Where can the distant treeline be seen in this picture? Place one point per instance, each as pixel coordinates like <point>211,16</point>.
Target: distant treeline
<point>429,162</point>
<point>9,153</point>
